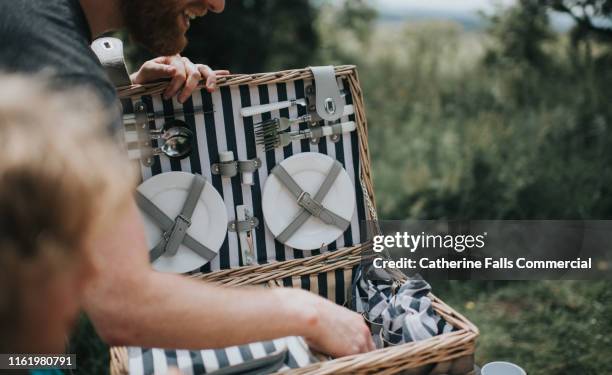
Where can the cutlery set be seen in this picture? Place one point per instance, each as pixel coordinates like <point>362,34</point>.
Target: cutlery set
<point>176,140</point>
<point>269,133</point>
<point>273,138</point>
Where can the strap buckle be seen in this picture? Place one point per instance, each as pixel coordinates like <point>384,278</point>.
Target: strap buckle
<point>312,206</point>
<point>176,235</point>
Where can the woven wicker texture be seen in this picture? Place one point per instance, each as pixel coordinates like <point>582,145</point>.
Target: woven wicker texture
<point>391,360</point>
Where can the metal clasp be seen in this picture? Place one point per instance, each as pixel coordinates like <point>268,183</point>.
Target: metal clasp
<point>306,202</point>
<point>330,106</point>
<point>176,235</point>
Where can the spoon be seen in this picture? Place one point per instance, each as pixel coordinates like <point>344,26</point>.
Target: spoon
<point>177,141</point>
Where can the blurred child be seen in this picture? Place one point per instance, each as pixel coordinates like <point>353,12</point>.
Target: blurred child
<point>61,181</point>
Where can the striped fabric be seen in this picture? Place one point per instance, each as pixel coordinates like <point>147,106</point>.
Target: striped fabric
<point>158,361</point>
<point>334,285</point>
<point>226,130</point>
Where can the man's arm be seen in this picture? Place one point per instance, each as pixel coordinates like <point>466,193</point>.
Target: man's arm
<point>131,304</point>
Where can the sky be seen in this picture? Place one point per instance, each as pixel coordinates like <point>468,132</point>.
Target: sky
<point>462,11</point>
<point>439,5</point>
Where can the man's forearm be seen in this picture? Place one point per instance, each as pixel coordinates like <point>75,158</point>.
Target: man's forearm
<point>173,311</point>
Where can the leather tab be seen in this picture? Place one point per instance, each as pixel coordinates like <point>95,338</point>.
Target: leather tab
<point>330,104</point>
<point>110,53</point>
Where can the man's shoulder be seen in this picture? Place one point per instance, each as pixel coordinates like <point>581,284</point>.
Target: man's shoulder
<point>51,37</point>
<point>41,28</point>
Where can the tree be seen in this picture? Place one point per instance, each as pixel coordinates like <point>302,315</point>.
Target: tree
<point>585,13</point>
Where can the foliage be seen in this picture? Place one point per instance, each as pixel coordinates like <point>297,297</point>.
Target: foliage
<point>506,125</point>
<point>512,124</point>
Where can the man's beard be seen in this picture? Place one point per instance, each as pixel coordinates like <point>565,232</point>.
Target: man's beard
<point>155,25</point>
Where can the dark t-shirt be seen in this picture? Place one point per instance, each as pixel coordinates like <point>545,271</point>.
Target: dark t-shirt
<point>53,36</point>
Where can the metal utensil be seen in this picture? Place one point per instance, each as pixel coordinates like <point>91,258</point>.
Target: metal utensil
<point>283,123</point>
<point>263,108</point>
<point>129,119</point>
<point>177,141</point>
<point>272,139</point>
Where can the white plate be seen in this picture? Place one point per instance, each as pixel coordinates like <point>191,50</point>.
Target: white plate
<point>280,207</point>
<point>208,223</point>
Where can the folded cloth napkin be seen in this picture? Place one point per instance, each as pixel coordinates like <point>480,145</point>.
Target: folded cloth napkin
<point>283,354</point>
<point>398,313</point>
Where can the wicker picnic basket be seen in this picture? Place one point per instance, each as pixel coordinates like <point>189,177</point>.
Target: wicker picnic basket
<point>323,272</point>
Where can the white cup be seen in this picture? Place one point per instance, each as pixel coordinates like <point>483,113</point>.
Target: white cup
<point>501,368</point>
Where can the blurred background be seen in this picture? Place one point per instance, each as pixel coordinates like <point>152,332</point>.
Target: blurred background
<point>476,109</point>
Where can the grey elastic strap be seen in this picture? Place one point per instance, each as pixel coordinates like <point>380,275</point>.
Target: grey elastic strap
<point>243,226</point>
<point>171,240</point>
<point>174,231</point>
<point>249,165</point>
<point>231,168</point>
<point>228,169</point>
<point>310,205</point>
<point>318,131</point>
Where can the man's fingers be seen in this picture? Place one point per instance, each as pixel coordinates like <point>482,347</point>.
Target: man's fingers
<point>193,78</point>
<point>151,71</point>
<point>179,78</point>
<point>154,70</point>
<point>222,72</point>
<point>167,60</point>
<point>209,75</point>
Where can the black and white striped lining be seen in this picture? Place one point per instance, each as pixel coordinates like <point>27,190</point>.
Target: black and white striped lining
<point>192,362</point>
<point>225,130</point>
<point>333,285</point>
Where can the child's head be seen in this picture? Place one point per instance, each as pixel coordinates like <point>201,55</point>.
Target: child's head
<point>61,180</point>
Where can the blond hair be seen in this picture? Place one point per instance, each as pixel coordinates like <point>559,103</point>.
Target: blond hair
<point>61,179</point>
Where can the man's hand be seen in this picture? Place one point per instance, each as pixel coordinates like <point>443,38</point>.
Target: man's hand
<point>330,328</point>
<point>184,75</point>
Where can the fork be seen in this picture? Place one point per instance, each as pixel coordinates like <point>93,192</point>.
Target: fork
<point>281,124</point>
<point>273,138</point>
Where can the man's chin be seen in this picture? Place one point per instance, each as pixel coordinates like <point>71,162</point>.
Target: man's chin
<point>167,46</point>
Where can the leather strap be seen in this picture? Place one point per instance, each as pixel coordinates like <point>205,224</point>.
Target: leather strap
<point>175,231</point>
<point>311,206</point>
<point>329,103</point>
<point>110,53</point>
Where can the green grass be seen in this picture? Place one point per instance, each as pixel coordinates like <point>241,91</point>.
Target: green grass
<point>547,327</point>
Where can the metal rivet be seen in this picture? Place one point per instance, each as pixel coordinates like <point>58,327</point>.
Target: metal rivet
<point>330,106</point>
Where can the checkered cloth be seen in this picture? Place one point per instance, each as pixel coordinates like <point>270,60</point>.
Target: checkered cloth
<point>397,313</point>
